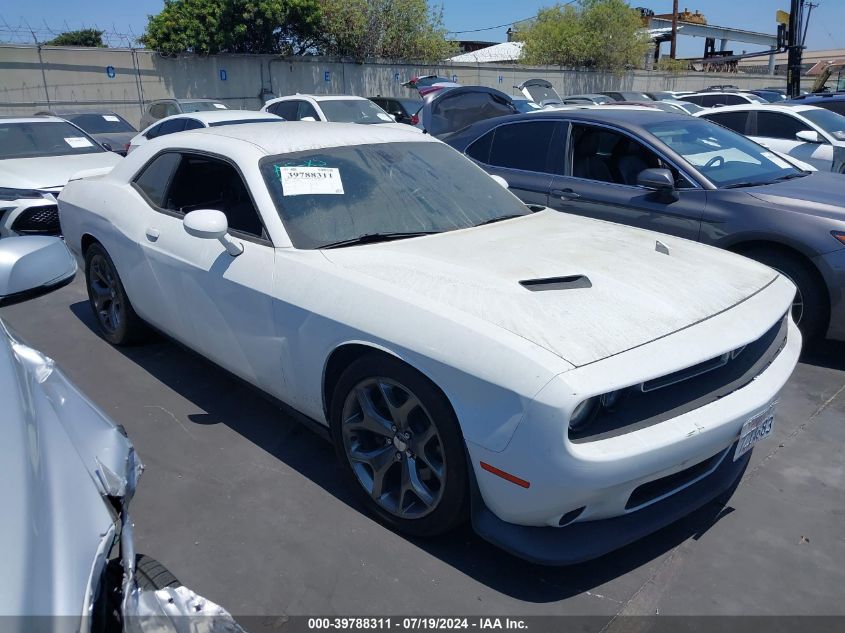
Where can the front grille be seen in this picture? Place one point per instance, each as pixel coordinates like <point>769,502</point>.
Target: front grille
<point>654,490</point>
<point>43,220</point>
<point>673,395</point>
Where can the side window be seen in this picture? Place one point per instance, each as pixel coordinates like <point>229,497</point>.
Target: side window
<point>154,131</point>
<point>833,106</point>
<point>777,125</point>
<point>735,100</point>
<point>193,124</point>
<point>522,145</point>
<point>171,108</point>
<point>285,109</point>
<point>171,126</point>
<point>157,110</point>
<point>480,148</point>
<point>608,156</point>
<point>711,101</point>
<point>155,177</point>
<point>305,109</point>
<point>735,121</point>
<point>696,99</point>
<point>202,182</point>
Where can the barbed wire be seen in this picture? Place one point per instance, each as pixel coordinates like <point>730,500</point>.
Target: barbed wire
<point>25,33</point>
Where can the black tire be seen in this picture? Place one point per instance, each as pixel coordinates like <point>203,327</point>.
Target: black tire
<point>451,506</point>
<point>121,326</point>
<point>814,312</point>
<point>151,574</point>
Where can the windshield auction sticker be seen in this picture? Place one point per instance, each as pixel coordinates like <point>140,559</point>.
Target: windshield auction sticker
<point>309,181</point>
<point>77,142</point>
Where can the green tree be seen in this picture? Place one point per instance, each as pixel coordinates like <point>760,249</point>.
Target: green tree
<point>602,34</point>
<point>233,26</point>
<point>393,29</point>
<point>83,37</point>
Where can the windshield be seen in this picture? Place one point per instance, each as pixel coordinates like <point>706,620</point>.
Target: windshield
<point>724,157</point>
<point>689,107</point>
<point>99,123</point>
<point>336,194</point>
<point>201,106</point>
<point>524,105</point>
<point>354,111</point>
<point>830,122</point>
<point>47,138</point>
<point>242,121</point>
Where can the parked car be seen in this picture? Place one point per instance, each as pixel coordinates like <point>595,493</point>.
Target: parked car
<point>628,96</point>
<point>199,120</point>
<point>68,550</point>
<point>666,105</point>
<point>769,96</point>
<point>541,92</point>
<point>37,157</point>
<point>587,99</point>
<point>669,94</point>
<point>710,185</point>
<point>109,129</point>
<point>525,105</point>
<point>402,109</point>
<point>835,101</point>
<point>441,346</point>
<point>717,99</point>
<point>334,108</point>
<point>162,108</point>
<point>810,134</point>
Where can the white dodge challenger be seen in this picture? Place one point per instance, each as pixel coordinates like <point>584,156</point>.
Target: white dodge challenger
<point>569,384</point>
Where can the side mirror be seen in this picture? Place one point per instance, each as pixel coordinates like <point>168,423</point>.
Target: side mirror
<point>32,265</point>
<point>210,224</point>
<point>658,180</point>
<point>501,181</point>
<point>308,118</point>
<point>808,136</point>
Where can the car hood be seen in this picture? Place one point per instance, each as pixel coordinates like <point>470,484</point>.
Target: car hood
<point>609,287</point>
<point>50,171</point>
<point>819,194</point>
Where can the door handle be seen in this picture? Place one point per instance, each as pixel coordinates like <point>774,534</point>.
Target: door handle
<point>565,194</point>
<point>152,234</point>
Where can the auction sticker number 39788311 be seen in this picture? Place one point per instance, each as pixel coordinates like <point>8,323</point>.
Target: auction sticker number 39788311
<point>754,430</point>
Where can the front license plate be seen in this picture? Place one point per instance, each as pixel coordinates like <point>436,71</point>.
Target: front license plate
<point>757,428</point>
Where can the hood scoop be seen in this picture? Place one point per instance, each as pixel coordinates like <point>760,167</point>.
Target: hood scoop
<point>570,282</point>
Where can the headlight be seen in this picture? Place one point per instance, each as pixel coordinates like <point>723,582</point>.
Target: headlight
<point>584,414</point>
<point>7,193</point>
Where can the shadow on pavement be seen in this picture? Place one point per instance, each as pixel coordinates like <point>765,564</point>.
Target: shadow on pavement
<point>227,400</point>
<point>827,354</point>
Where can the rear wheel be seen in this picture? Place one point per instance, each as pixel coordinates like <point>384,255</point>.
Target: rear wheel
<point>115,316</point>
<point>400,445</point>
<point>809,308</point>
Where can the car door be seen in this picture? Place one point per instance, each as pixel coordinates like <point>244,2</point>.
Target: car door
<point>519,152</point>
<point>777,131</point>
<point>600,181</point>
<point>285,109</point>
<point>216,304</point>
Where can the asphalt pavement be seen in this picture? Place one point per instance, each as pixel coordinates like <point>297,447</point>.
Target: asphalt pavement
<point>247,507</point>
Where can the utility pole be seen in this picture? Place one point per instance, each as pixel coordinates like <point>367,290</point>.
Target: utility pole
<point>810,7</point>
<point>793,68</point>
<point>674,47</point>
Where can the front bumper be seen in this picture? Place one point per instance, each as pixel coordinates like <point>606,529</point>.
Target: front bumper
<point>832,267</point>
<point>602,480</point>
<point>578,542</point>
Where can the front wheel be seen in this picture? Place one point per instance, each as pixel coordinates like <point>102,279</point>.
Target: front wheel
<point>809,307</point>
<point>400,446</point>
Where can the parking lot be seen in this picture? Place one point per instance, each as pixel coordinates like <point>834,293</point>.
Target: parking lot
<point>247,507</point>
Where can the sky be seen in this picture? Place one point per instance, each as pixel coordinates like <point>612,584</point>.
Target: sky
<point>825,30</point>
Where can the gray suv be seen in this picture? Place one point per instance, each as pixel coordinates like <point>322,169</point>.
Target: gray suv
<point>161,108</point>
<point>674,174</point>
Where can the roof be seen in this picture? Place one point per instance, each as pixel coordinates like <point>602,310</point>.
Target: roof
<point>300,95</point>
<point>763,107</point>
<point>188,100</point>
<point>505,52</point>
<point>31,119</point>
<point>298,136</point>
<point>213,116</point>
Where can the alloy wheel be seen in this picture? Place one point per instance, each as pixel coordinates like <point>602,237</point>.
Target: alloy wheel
<point>393,447</point>
<point>105,293</point>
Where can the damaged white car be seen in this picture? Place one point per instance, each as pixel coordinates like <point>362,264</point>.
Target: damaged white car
<point>69,562</point>
<point>570,384</point>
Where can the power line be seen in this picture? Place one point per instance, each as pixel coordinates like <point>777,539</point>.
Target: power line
<point>501,26</point>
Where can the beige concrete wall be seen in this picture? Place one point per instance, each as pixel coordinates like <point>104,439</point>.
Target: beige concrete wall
<point>33,78</point>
